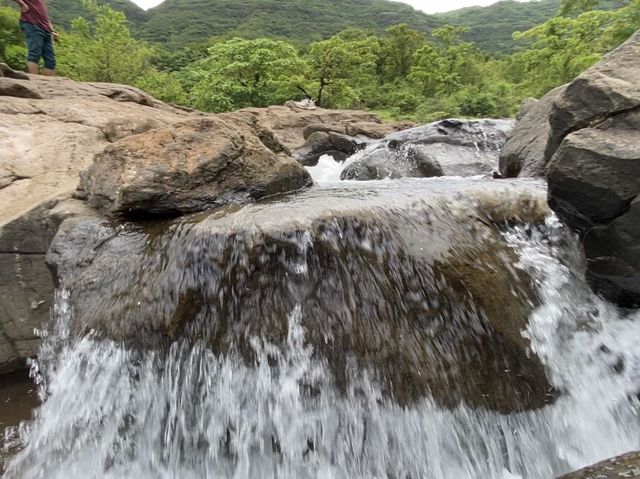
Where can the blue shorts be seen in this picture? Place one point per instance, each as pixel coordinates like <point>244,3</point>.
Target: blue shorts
<point>39,44</point>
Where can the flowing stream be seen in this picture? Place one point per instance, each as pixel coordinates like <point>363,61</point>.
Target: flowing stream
<point>250,388</point>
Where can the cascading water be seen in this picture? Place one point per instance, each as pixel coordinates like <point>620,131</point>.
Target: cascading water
<point>240,346</point>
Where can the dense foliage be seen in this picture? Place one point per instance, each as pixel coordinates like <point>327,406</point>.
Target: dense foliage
<point>12,50</point>
<point>403,72</point>
<point>492,27</point>
<point>181,22</point>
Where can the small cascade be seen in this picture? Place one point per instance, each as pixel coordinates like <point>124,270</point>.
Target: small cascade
<point>334,334</point>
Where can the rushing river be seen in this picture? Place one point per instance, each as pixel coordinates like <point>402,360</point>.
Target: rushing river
<point>249,388</point>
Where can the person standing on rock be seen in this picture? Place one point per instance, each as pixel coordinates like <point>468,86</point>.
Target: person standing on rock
<point>39,33</point>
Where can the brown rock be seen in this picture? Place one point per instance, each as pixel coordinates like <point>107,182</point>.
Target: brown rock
<point>191,166</point>
<point>44,143</point>
<point>18,88</point>
<point>7,71</point>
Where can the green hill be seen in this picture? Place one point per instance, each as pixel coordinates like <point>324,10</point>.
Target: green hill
<point>63,11</point>
<point>179,22</point>
<point>182,21</point>
<point>492,27</point>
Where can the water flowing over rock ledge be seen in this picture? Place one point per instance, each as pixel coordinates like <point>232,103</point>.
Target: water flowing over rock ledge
<point>409,328</point>
<point>351,261</point>
<point>47,138</point>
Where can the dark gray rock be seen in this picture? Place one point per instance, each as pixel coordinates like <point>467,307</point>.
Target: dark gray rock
<point>26,285</point>
<point>320,143</point>
<point>594,173</point>
<point>407,161</point>
<point>448,147</point>
<point>525,107</point>
<point>525,151</point>
<point>608,88</point>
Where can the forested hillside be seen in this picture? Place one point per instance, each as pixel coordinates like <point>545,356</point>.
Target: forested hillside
<point>183,21</point>
<point>63,11</point>
<point>492,27</point>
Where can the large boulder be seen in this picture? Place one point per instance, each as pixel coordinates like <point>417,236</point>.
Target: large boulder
<point>46,138</point>
<point>608,88</point>
<point>447,147</point>
<point>594,170</point>
<point>188,167</point>
<point>525,151</point>
<point>422,295</point>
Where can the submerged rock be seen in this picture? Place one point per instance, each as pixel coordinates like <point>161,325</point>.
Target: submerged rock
<point>416,288</point>
<point>447,147</point>
<point>406,161</point>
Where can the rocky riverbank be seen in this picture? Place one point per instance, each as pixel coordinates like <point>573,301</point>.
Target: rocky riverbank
<point>52,128</point>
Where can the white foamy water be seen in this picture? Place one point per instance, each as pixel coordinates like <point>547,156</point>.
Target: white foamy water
<point>327,170</point>
<point>188,412</point>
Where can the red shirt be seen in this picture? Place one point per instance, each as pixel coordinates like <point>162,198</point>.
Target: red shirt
<point>37,14</point>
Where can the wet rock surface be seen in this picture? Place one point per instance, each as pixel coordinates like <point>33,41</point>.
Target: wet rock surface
<point>397,161</point>
<point>594,174</point>
<point>320,143</point>
<point>444,148</point>
<point>434,309</point>
<point>623,466</point>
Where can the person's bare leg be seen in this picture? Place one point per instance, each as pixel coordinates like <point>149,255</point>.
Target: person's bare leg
<point>33,68</point>
<point>49,72</point>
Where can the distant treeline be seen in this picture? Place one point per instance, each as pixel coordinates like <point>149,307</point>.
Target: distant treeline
<point>402,73</point>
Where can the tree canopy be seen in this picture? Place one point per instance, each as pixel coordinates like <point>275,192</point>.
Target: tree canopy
<point>402,72</point>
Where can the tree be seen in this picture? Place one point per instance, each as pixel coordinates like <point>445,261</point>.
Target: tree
<point>398,49</point>
<point>12,49</point>
<point>241,73</point>
<point>339,67</point>
<point>562,48</point>
<point>103,49</point>
<point>577,6</point>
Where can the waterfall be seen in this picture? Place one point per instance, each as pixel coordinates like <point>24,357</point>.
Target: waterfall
<point>266,394</point>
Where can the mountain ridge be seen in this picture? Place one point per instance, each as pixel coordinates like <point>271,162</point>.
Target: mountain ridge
<point>177,23</point>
